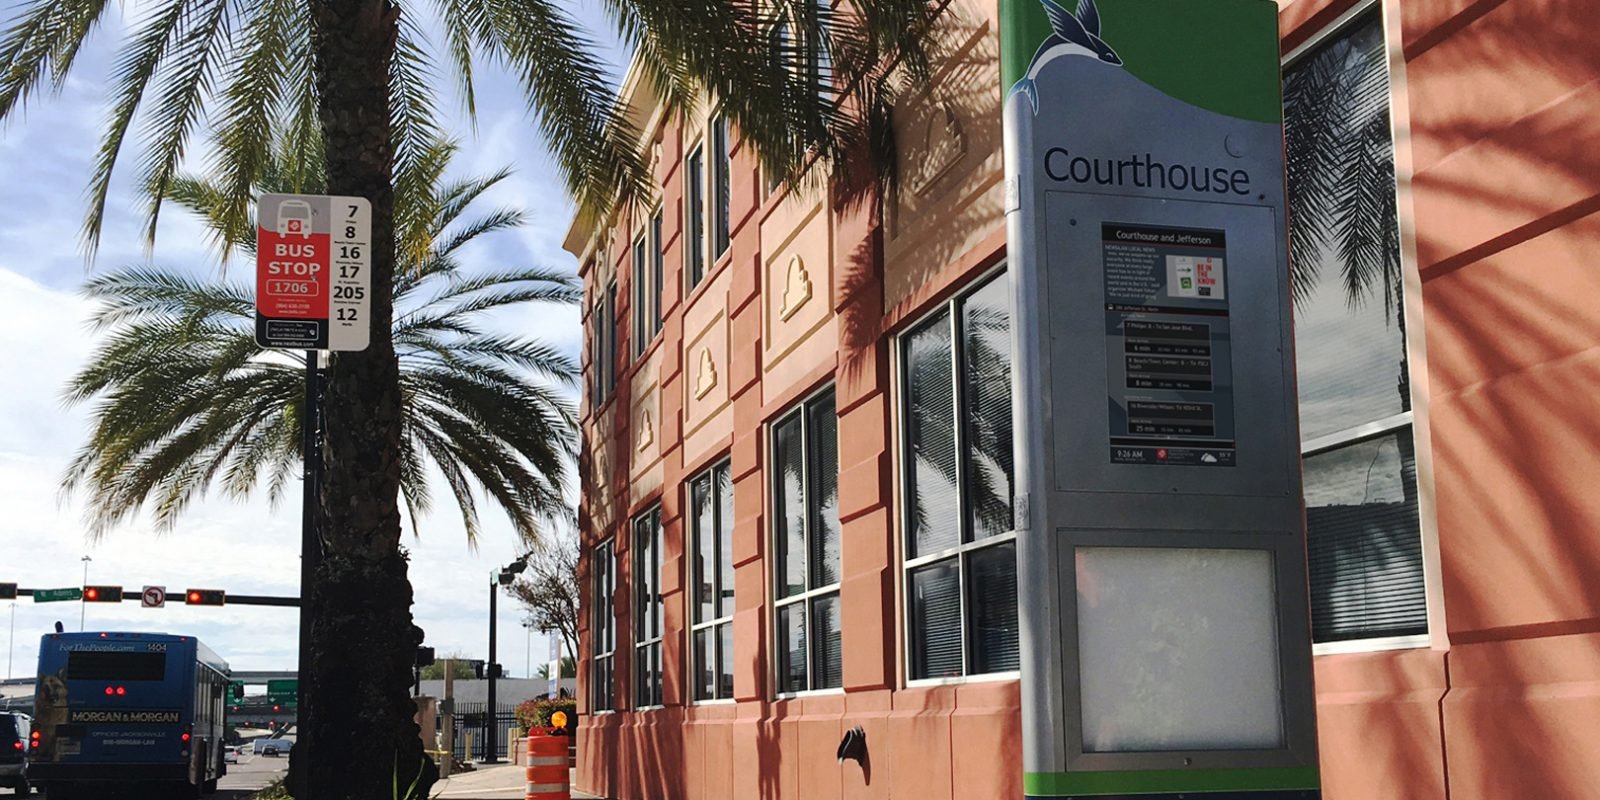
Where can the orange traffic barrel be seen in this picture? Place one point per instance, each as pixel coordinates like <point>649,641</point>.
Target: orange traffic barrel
<point>547,767</point>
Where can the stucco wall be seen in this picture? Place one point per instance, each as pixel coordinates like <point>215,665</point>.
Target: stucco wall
<point>1500,195</point>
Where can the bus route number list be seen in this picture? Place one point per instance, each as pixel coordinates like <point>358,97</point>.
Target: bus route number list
<point>1169,377</point>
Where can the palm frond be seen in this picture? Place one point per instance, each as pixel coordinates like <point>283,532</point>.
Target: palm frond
<point>249,115</point>
<point>187,78</point>
<point>184,402</point>
<point>137,65</point>
<point>41,45</point>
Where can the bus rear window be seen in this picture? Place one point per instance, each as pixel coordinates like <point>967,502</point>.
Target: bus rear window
<point>99,665</point>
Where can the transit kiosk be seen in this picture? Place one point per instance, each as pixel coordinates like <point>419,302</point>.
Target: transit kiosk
<point>1162,573</point>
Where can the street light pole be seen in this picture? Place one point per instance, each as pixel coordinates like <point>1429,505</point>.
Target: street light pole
<point>11,644</point>
<point>83,605</point>
<point>490,754</point>
<point>507,574</point>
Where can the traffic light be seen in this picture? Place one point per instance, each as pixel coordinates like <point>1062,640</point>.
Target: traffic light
<point>205,597</point>
<point>102,594</point>
<point>8,591</point>
<point>424,657</point>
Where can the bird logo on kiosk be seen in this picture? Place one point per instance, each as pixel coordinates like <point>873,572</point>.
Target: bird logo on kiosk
<point>313,276</point>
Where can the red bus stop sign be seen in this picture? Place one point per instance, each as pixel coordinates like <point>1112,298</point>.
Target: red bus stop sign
<point>313,276</point>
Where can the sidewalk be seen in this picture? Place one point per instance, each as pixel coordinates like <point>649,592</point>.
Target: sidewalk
<point>490,782</point>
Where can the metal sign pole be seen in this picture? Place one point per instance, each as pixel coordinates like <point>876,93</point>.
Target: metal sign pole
<point>313,293</point>
<point>310,560</point>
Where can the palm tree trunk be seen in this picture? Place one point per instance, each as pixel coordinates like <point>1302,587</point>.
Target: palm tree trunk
<point>363,641</point>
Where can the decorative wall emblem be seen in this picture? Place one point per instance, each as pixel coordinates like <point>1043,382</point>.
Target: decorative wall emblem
<point>943,144</point>
<point>647,435</point>
<point>796,288</point>
<point>705,377</point>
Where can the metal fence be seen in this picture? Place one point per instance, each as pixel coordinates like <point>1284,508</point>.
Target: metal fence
<point>472,725</point>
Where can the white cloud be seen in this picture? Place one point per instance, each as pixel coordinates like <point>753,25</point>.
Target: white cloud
<point>245,548</point>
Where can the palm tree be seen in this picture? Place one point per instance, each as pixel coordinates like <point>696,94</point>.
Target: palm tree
<point>352,77</point>
<point>186,400</point>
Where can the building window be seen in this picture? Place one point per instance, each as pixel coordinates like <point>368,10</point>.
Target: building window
<point>657,272</point>
<point>721,184</point>
<point>647,609</point>
<point>819,61</point>
<point>647,277</point>
<point>1364,536</point>
<point>780,40</point>
<point>805,497</point>
<point>603,629</point>
<point>694,212</point>
<point>605,346</point>
<point>960,541</point>
<point>642,332</point>
<point>711,510</point>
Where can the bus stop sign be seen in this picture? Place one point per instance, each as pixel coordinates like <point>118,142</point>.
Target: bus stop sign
<point>313,272</point>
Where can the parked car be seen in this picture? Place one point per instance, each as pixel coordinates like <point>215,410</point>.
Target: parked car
<point>14,745</point>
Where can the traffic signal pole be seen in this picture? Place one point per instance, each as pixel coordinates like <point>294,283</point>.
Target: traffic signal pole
<point>310,559</point>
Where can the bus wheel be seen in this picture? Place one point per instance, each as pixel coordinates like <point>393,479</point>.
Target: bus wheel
<point>23,789</point>
<point>210,787</point>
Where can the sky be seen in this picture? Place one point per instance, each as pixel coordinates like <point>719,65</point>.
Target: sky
<point>242,547</point>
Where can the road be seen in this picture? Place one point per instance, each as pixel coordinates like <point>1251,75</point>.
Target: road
<point>244,779</point>
<point>250,775</point>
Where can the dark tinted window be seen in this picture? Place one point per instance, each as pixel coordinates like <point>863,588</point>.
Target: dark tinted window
<point>1363,529</point>
<point>8,727</point>
<point>961,565</point>
<point>92,665</point>
<point>807,538</point>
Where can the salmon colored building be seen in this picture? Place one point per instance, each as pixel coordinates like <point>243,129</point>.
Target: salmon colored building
<point>796,510</point>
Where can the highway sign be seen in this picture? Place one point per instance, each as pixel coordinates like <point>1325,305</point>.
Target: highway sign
<point>313,276</point>
<point>153,597</point>
<point>55,595</point>
<point>283,692</point>
<point>235,691</point>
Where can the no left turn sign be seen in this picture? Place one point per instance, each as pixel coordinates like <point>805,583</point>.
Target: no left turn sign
<point>154,597</point>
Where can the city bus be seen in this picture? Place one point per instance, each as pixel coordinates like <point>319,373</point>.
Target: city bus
<point>127,711</point>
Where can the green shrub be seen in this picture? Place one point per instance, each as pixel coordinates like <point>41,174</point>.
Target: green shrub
<point>536,713</point>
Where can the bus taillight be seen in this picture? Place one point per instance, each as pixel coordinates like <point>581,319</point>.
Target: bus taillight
<point>188,730</point>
